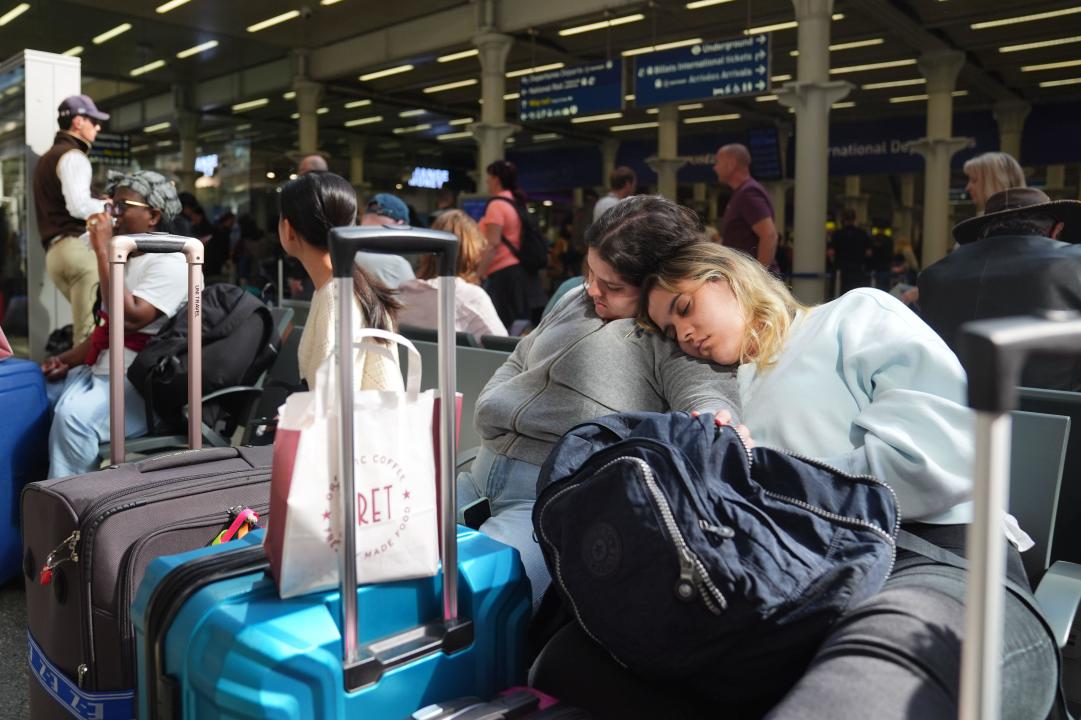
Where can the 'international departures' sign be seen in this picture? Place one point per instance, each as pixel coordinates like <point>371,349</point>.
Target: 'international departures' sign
<point>723,68</point>
<point>571,91</point>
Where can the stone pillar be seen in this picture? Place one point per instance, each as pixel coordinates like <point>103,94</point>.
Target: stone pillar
<point>855,200</point>
<point>309,94</point>
<point>1055,181</point>
<point>714,205</point>
<point>667,162</point>
<point>357,145</point>
<point>699,190</point>
<point>778,192</point>
<point>811,95</point>
<point>579,196</point>
<point>902,215</point>
<point>609,148</point>
<point>784,134</point>
<point>1010,116</point>
<point>492,131</point>
<point>188,126</point>
<point>940,68</point>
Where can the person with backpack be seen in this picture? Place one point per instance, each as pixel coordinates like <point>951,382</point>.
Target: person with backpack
<point>864,385</point>
<point>311,206</point>
<point>516,252</point>
<point>155,288</point>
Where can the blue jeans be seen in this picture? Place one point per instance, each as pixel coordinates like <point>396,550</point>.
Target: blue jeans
<point>80,404</point>
<point>511,486</point>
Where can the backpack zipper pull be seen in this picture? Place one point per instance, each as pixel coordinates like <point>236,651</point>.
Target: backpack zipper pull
<point>45,577</point>
<point>685,586</point>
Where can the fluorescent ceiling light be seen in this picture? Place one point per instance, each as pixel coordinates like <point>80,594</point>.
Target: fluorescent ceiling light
<point>537,69</point>
<point>384,73</point>
<point>848,45</point>
<point>140,148</point>
<point>461,121</point>
<point>322,111</point>
<point>13,13</point>
<point>164,143</point>
<point>243,127</point>
<point>276,20</point>
<point>546,136</point>
<point>633,126</point>
<point>512,96</point>
<point>149,67</point>
<point>629,98</point>
<point>783,26</point>
<point>364,121</point>
<point>652,111</point>
<point>710,118</point>
<point>329,2</point>
<point>1040,44</point>
<point>843,105</point>
<point>1051,66</point>
<point>454,136</point>
<point>411,129</point>
<point>74,52</point>
<point>250,105</point>
<point>917,98</point>
<point>451,86</point>
<point>596,118</point>
<point>411,113</point>
<point>457,56</point>
<point>765,98</point>
<point>294,116</point>
<point>1025,18</point>
<point>291,95</point>
<point>110,34</point>
<point>893,84</point>
<point>600,25</point>
<point>662,46</point>
<point>209,45</point>
<point>1057,83</point>
<point>171,5</point>
<point>692,106</point>
<point>872,66</point>
<point>157,127</point>
<point>781,78</point>
<point>357,103</point>
<point>705,3</point>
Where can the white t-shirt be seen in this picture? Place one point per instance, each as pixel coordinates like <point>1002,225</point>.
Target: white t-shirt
<point>371,371</point>
<point>160,279</point>
<point>474,312</point>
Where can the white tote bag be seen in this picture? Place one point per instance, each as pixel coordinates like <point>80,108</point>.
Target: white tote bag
<point>395,482</point>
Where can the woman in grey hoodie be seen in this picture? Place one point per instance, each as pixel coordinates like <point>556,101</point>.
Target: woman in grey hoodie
<point>586,359</point>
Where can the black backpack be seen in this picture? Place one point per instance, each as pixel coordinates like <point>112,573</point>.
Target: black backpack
<point>703,564</point>
<point>533,253</point>
<point>240,341</point>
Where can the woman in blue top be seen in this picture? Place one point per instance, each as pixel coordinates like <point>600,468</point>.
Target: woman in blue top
<point>866,385</point>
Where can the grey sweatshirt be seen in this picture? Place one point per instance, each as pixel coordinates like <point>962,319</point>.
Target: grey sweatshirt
<point>575,367</point>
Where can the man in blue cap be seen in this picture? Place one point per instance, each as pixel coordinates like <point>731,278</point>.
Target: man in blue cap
<point>387,210</point>
<point>62,203</point>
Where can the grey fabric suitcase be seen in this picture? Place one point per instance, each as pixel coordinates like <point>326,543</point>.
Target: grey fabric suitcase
<point>87,539</point>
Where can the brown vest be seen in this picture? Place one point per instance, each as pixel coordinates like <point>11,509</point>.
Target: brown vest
<point>53,216</point>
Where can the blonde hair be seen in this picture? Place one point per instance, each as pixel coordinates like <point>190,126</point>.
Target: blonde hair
<point>994,172</point>
<point>767,305</point>
<point>470,246</point>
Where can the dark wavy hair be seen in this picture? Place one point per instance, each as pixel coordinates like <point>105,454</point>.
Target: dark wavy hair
<point>639,233</point>
<point>314,204</point>
<point>507,174</point>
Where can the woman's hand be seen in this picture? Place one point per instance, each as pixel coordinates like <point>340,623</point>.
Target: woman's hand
<point>724,417</point>
<point>100,227</point>
<point>54,368</point>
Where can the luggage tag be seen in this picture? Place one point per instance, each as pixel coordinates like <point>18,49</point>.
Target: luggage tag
<point>245,520</point>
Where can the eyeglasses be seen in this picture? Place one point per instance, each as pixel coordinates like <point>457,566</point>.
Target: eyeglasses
<point>119,206</point>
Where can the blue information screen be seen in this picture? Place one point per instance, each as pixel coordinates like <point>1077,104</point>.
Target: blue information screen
<point>765,148</point>
<point>722,68</point>
<point>571,91</point>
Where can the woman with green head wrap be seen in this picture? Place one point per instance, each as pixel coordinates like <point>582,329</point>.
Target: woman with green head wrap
<point>155,287</point>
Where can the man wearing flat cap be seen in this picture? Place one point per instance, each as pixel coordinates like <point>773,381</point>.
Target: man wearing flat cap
<point>63,203</point>
<point>1010,261</point>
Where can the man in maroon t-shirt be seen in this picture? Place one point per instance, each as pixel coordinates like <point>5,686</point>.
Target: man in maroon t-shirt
<point>748,220</point>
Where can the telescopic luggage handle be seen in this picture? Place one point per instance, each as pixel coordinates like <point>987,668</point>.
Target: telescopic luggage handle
<point>119,248</point>
<point>993,353</point>
<point>450,634</point>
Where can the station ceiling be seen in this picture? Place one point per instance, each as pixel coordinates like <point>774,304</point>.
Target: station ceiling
<point>1029,51</point>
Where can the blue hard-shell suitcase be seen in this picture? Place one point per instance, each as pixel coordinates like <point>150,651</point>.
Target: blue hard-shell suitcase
<point>24,450</point>
<point>216,641</point>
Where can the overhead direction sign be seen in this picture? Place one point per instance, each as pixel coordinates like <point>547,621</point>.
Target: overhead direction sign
<point>716,69</point>
<point>571,91</point>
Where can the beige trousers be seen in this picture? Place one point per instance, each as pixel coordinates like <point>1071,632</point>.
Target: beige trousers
<point>73,268</point>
